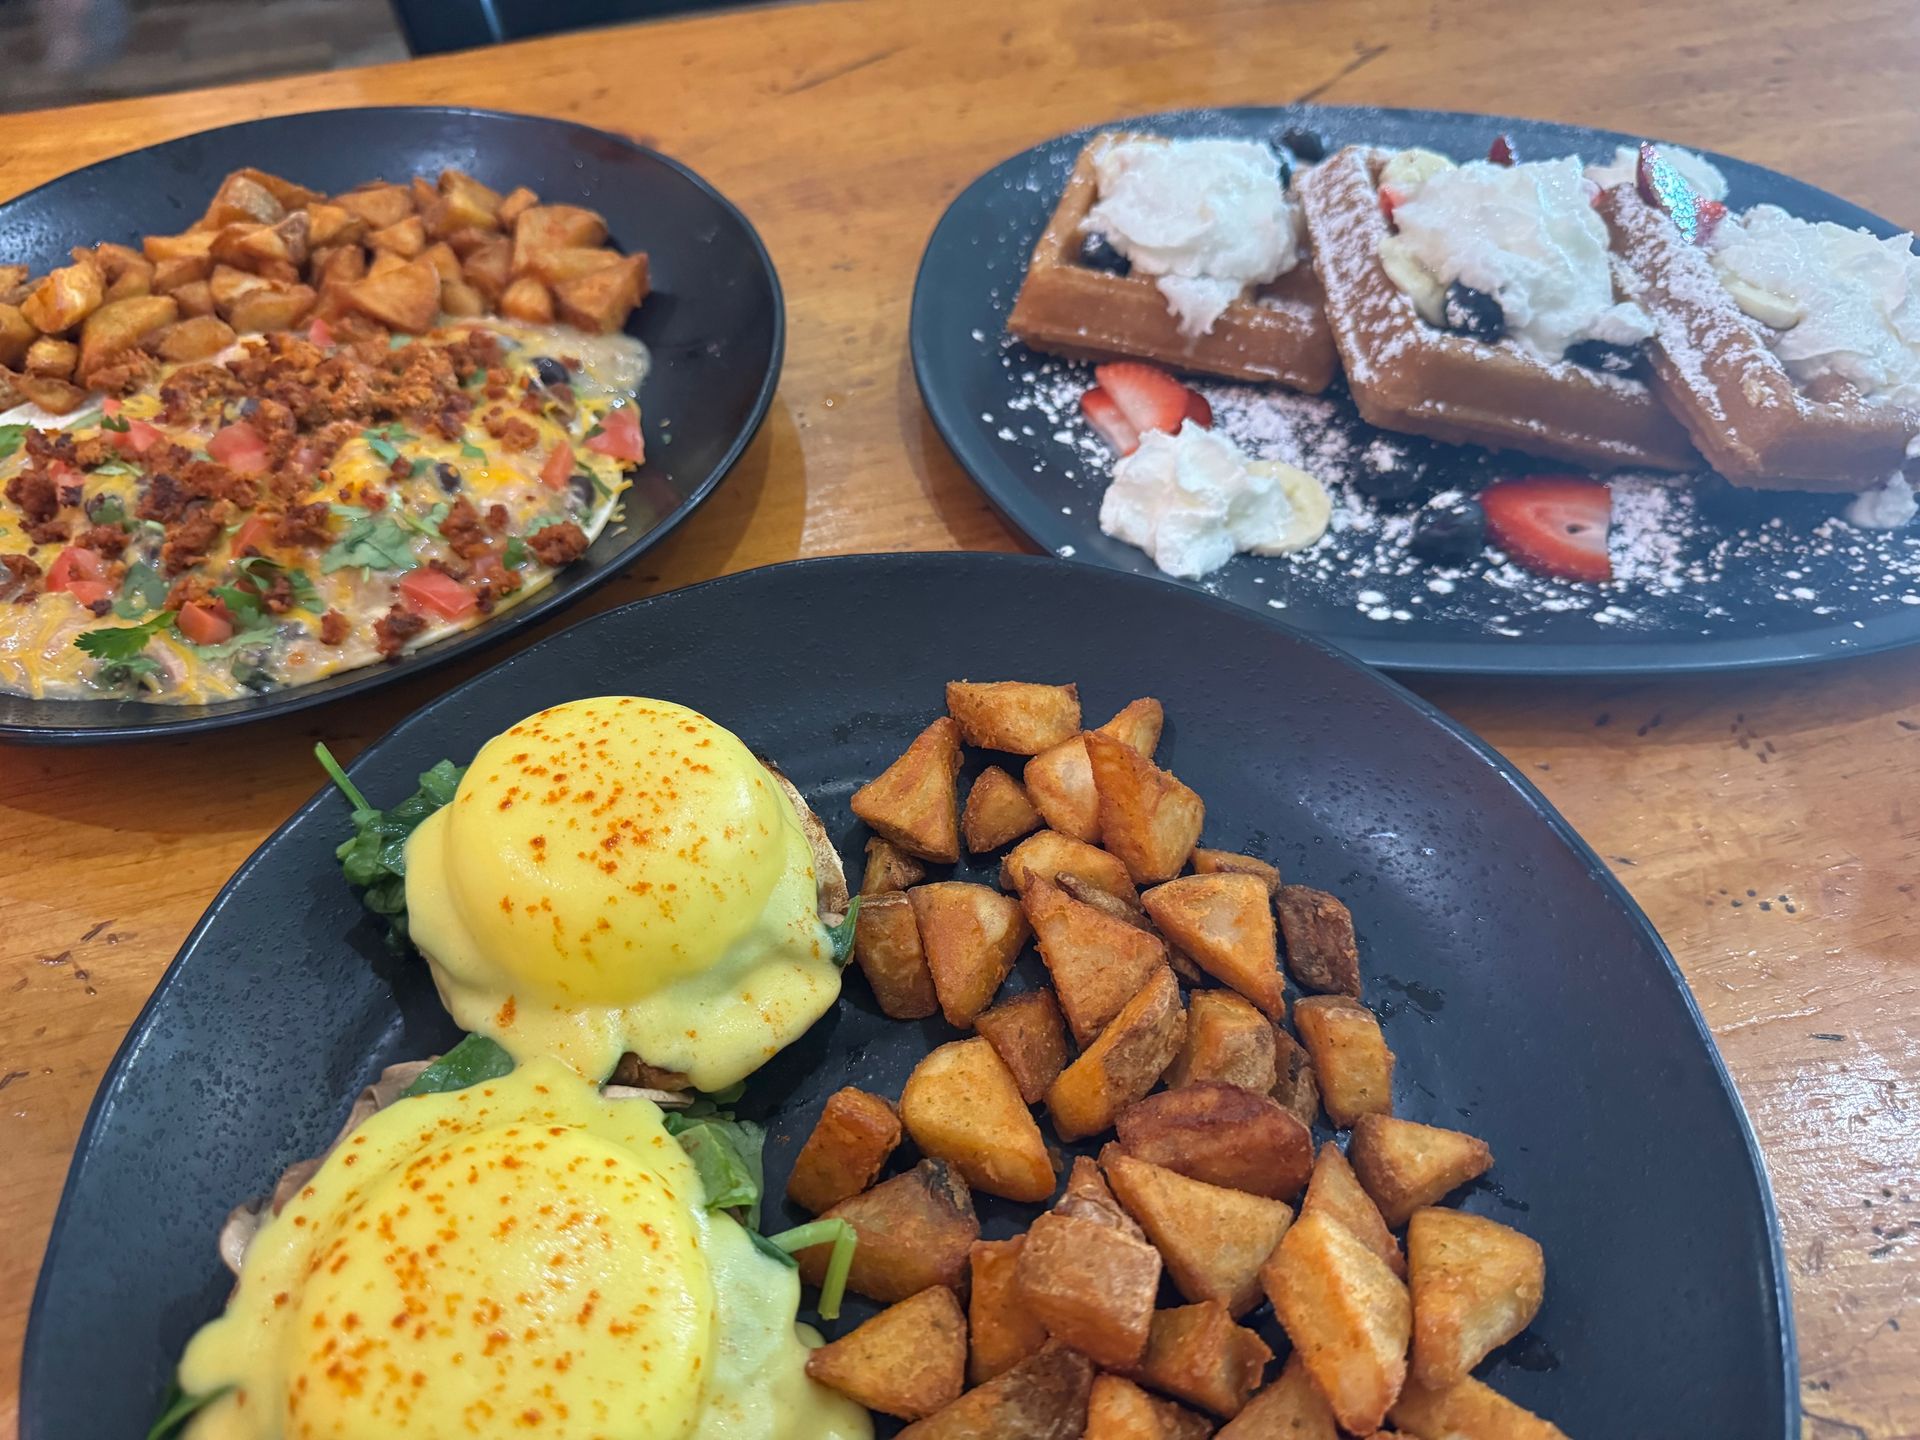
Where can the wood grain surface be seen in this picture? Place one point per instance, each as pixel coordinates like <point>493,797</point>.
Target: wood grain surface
<point>1764,822</point>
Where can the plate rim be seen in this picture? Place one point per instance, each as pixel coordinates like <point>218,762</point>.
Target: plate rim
<point>993,564</point>
<point>516,618</point>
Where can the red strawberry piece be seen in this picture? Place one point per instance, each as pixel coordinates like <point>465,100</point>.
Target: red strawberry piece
<point>1113,427</point>
<point>1198,410</point>
<point>1501,151</point>
<point>1148,396</point>
<point>1552,525</point>
<point>1709,214</point>
<point>1667,190</point>
<point>1389,197</point>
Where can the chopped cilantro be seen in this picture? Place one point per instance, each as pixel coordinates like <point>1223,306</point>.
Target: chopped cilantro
<point>420,467</point>
<point>122,642</point>
<point>516,553</point>
<point>595,429</point>
<point>143,590</point>
<point>427,524</point>
<point>263,572</point>
<point>468,451</point>
<point>115,423</point>
<point>372,542</point>
<point>544,522</point>
<point>382,448</point>
<point>92,417</point>
<point>12,437</point>
<point>115,467</point>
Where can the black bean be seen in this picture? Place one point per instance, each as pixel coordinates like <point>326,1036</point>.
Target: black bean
<point>1304,143</point>
<point>581,488</point>
<point>448,477</point>
<point>551,371</point>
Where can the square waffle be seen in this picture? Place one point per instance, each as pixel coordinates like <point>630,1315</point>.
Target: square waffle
<point>1407,375</point>
<point>1067,308</point>
<point>1714,369</point>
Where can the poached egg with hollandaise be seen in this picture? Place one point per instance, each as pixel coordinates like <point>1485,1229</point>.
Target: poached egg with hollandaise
<point>622,876</point>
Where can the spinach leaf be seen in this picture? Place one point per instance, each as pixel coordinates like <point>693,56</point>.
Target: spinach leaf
<point>177,1408</point>
<point>12,437</point>
<point>842,934</point>
<point>726,1152</point>
<point>474,1059</point>
<point>375,858</point>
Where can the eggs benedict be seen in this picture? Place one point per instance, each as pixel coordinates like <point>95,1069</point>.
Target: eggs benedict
<point>621,878</point>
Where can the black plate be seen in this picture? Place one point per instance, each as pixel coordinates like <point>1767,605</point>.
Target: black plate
<point>971,376</point>
<point>1527,998</point>
<point>714,323</point>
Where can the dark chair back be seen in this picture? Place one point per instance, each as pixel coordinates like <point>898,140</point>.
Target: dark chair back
<point>433,27</point>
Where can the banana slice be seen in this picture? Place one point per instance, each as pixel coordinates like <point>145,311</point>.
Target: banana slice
<point>1774,311</point>
<point>1407,170</point>
<point>1414,280</point>
<point>1312,509</point>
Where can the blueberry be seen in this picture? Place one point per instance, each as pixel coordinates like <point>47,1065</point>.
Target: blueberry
<point>1286,173</point>
<point>1304,143</point>
<point>1474,312</point>
<point>448,477</point>
<point>1450,535</point>
<point>551,371</point>
<point>1396,474</point>
<point>1097,254</point>
<point>1608,358</point>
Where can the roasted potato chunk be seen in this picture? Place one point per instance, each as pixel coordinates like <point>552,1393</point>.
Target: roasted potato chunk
<point>1348,1316</point>
<point>1044,1397</point>
<point>1291,1408</point>
<point>851,1141</point>
<point>51,359</point>
<point>170,275</point>
<point>273,307</point>
<point>1060,779</point>
<point>66,297</point>
<point>962,1105</point>
<point>1476,1284</point>
<point>1319,933</point>
<point>1051,854</point>
<point>555,266</point>
<point>1091,1285</point>
<point>1335,1191</point>
<point>1013,715</point>
<point>193,245</point>
<point>242,197</point>
<point>1213,1240</point>
<point>886,946</point>
<point>553,227</point>
<point>120,325</point>
<point>1467,1408</point>
<point>1087,1197</point>
<point>914,1230</point>
<point>600,301</point>
<point>1027,1032</point>
<point>487,267</point>
<point>908,1361</point>
<point>1004,1330</point>
<point>379,205</point>
<point>1225,925</point>
<point>1294,1085</point>
<point>1118,1409</point>
<point>1123,1064</point>
<point>889,868</point>
<point>912,802</point>
<point>997,812</point>
<point>129,273</point>
<point>405,299</point>
<point>971,935</point>
<point>525,300</point>
<point>1223,1135</point>
<point>463,203</point>
<point>1147,817</point>
<point>16,334</point>
<point>1351,1062</point>
<point>518,201</point>
<point>1197,1353</point>
<point>461,299</point>
<point>51,394</point>
<point>1226,862</point>
<point>1098,963</point>
<point>406,238</point>
<point>1405,1165</point>
<point>1228,1041</point>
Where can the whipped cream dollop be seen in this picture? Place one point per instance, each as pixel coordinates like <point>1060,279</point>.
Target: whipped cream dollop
<point>1207,219</point>
<point>1887,507</point>
<point>1193,500</point>
<point>1698,171</point>
<point>1525,234</point>
<point>1836,303</point>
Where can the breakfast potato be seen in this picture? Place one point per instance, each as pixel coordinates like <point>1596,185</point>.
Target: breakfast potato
<point>12,277</point>
<point>1044,1397</point>
<point>1335,1191</point>
<point>1086,1196</point>
<point>171,275</point>
<point>1318,930</point>
<point>445,263</point>
<point>190,245</point>
<point>487,266</point>
<point>914,1230</point>
<point>257,247</point>
<point>1469,1408</point>
<point>886,946</point>
<point>66,297</point>
<point>464,203</point>
<point>460,299</point>
<point>1222,1135</point>
<point>120,325</point>
<point>517,202</point>
<point>1197,1353</point>
<point>1030,1038</point>
<point>405,298</point>
<point>961,1104</point>
<point>526,300</point>
<point>274,307</point>
<point>333,225</point>
<point>600,301</point>
<point>1212,1239</point>
<point>889,868</point>
<point>51,359</point>
<point>1476,1284</point>
<point>378,204</point>
<point>1291,1408</point>
<point>907,1361</point>
<point>971,935</point>
<point>1351,1062</point>
<point>997,812</point>
<point>1224,923</point>
<point>1294,1085</point>
<point>912,802</point>
<point>1091,1285</point>
<point>292,196</point>
<point>1405,1165</point>
<point>1060,779</point>
<point>570,263</point>
<point>1226,862</point>
<point>339,265</point>
<point>1228,1041</point>
<point>1051,854</point>
<point>540,228</point>
<point>50,393</point>
<point>1347,1314</point>
<point>1123,1064</point>
<point>129,274</point>
<point>1125,907</point>
<point>242,197</point>
<point>16,334</point>
<point>1147,817</point>
<point>1097,962</point>
<point>1004,1330</point>
<point>1118,1409</point>
<point>1013,715</point>
<point>850,1142</point>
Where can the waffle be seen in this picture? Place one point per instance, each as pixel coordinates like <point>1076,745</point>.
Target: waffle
<point>1067,308</point>
<point>1407,375</point>
<point>1715,371</point>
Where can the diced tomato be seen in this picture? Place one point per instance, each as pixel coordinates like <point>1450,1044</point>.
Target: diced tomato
<point>559,467</point>
<point>89,592</point>
<point>239,447</point>
<point>75,565</point>
<point>321,334</point>
<point>252,534</point>
<point>438,592</point>
<point>138,438</point>
<point>304,461</point>
<point>620,436</point>
<point>110,405</point>
<point>206,622</point>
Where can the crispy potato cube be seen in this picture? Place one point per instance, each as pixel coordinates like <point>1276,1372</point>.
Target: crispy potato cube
<point>12,277</point>
<point>192,245</point>
<point>1476,1284</point>
<point>1227,1041</point>
<point>1212,1239</point>
<point>961,1104</point>
<point>1091,1285</point>
<point>527,300</point>
<point>1098,963</point>
<point>1027,1033</point>
<point>405,238</point>
<point>600,301</point>
<point>1138,725</point>
<point>1319,933</point>
<point>1118,1409</point>
<point>1294,1085</point>
<point>1405,1165</point>
<point>889,868</point>
<point>405,299</point>
<point>444,261</point>
<point>170,275</point>
<point>518,201</point>
<point>120,325</point>
<point>486,266</point>
<point>129,274</point>
<point>1123,1064</point>
<point>1335,1191</point>
<point>971,935</point>
<point>997,812</point>
<point>469,202</point>
<point>1223,1135</point>
<point>912,802</point>
<point>1347,1314</point>
<point>1225,925</point>
<point>1226,862</point>
<point>914,1230</point>
<point>1351,1062</point>
<point>242,198</point>
<point>291,196</point>
<point>1013,715</point>
<point>1147,817</point>
<point>886,946</point>
<point>255,247</point>
<point>339,265</point>
<point>1291,1408</point>
<point>384,262</point>
<point>276,307</point>
<point>460,299</point>
<point>909,1360</point>
<point>199,337</point>
<point>553,227</point>
<point>1467,1408</point>
<point>333,225</point>
<point>1128,911</point>
<point>194,298</point>
<point>1087,1197</point>
<point>1060,778</point>
<point>1051,854</point>
<point>379,205</point>
<point>66,297</point>
<point>571,262</point>
<point>51,359</point>
<point>49,392</point>
<point>1044,1397</point>
<point>851,1140</point>
<point>1004,1330</point>
<point>1197,1353</point>
<point>16,334</point>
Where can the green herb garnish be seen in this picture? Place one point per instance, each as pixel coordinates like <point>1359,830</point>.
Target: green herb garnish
<point>473,1060</point>
<point>372,542</point>
<point>263,572</point>
<point>838,1233</point>
<point>468,451</point>
<point>726,1152</point>
<point>428,524</point>
<point>177,1407</point>
<point>842,934</point>
<point>382,448</point>
<point>112,467</point>
<point>12,437</point>
<point>115,423</point>
<point>515,555</point>
<point>142,591</point>
<point>375,859</point>
<point>122,642</point>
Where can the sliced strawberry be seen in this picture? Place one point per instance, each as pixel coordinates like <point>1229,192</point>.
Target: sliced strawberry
<point>1708,214</point>
<point>1389,198</point>
<point>1501,151</point>
<point>1198,410</point>
<point>1148,396</point>
<point>1666,189</point>
<point>1103,413</point>
<point>1552,524</point>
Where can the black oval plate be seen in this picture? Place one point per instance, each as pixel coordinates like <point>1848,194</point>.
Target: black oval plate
<point>973,379</point>
<point>715,324</point>
<point>1527,998</point>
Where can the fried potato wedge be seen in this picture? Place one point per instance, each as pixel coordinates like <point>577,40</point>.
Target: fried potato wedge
<point>1224,923</point>
<point>1318,930</point>
<point>378,204</point>
<point>199,337</point>
<point>849,1144</point>
<point>1476,1284</point>
<point>1004,1330</point>
<point>1052,854</point>
<point>886,947</point>
<point>997,812</point>
<point>1030,1037</point>
<point>1226,862</point>
<point>1228,1041</point>
<point>1291,1408</point>
<point>907,1361</point>
<point>1118,1409</point>
<point>1405,1165</point>
<point>1467,1408</point>
<point>1014,716</point>
<point>1347,1314</point>
<point>912,802</point>
<point>1351,1062</point>
<point>1294,1085</point>
<point>243,196</point>
<point>914,1231</point>
<point>1222,1135</point>
<point>1088,1197</point>
<point>1213,1240</point>
<point>1097,962</point>
<point>526,300</point>
<point>65,297</point>
<point>486,267</point>
<point>889,868</point>
<point>962,1104</point>
<point>52,359</point>
<point>541,228</point>
<point>1147,817</point>
<point>600,301</point>
<point>277,306</point>
<point>50,393</point>
<point>1059,780</point>
<point>1044,1397</point>
<point>405,299</point>
<point>1335,1191</point>
<point>1197,1353</point>
<point>971,935</point>
<point>17,333</point>
<point>120,325</point>
<point>1092,1286</point>
<point>1123,1064</point>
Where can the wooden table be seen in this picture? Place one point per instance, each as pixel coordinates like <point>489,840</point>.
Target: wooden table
<point>1762,822</point>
